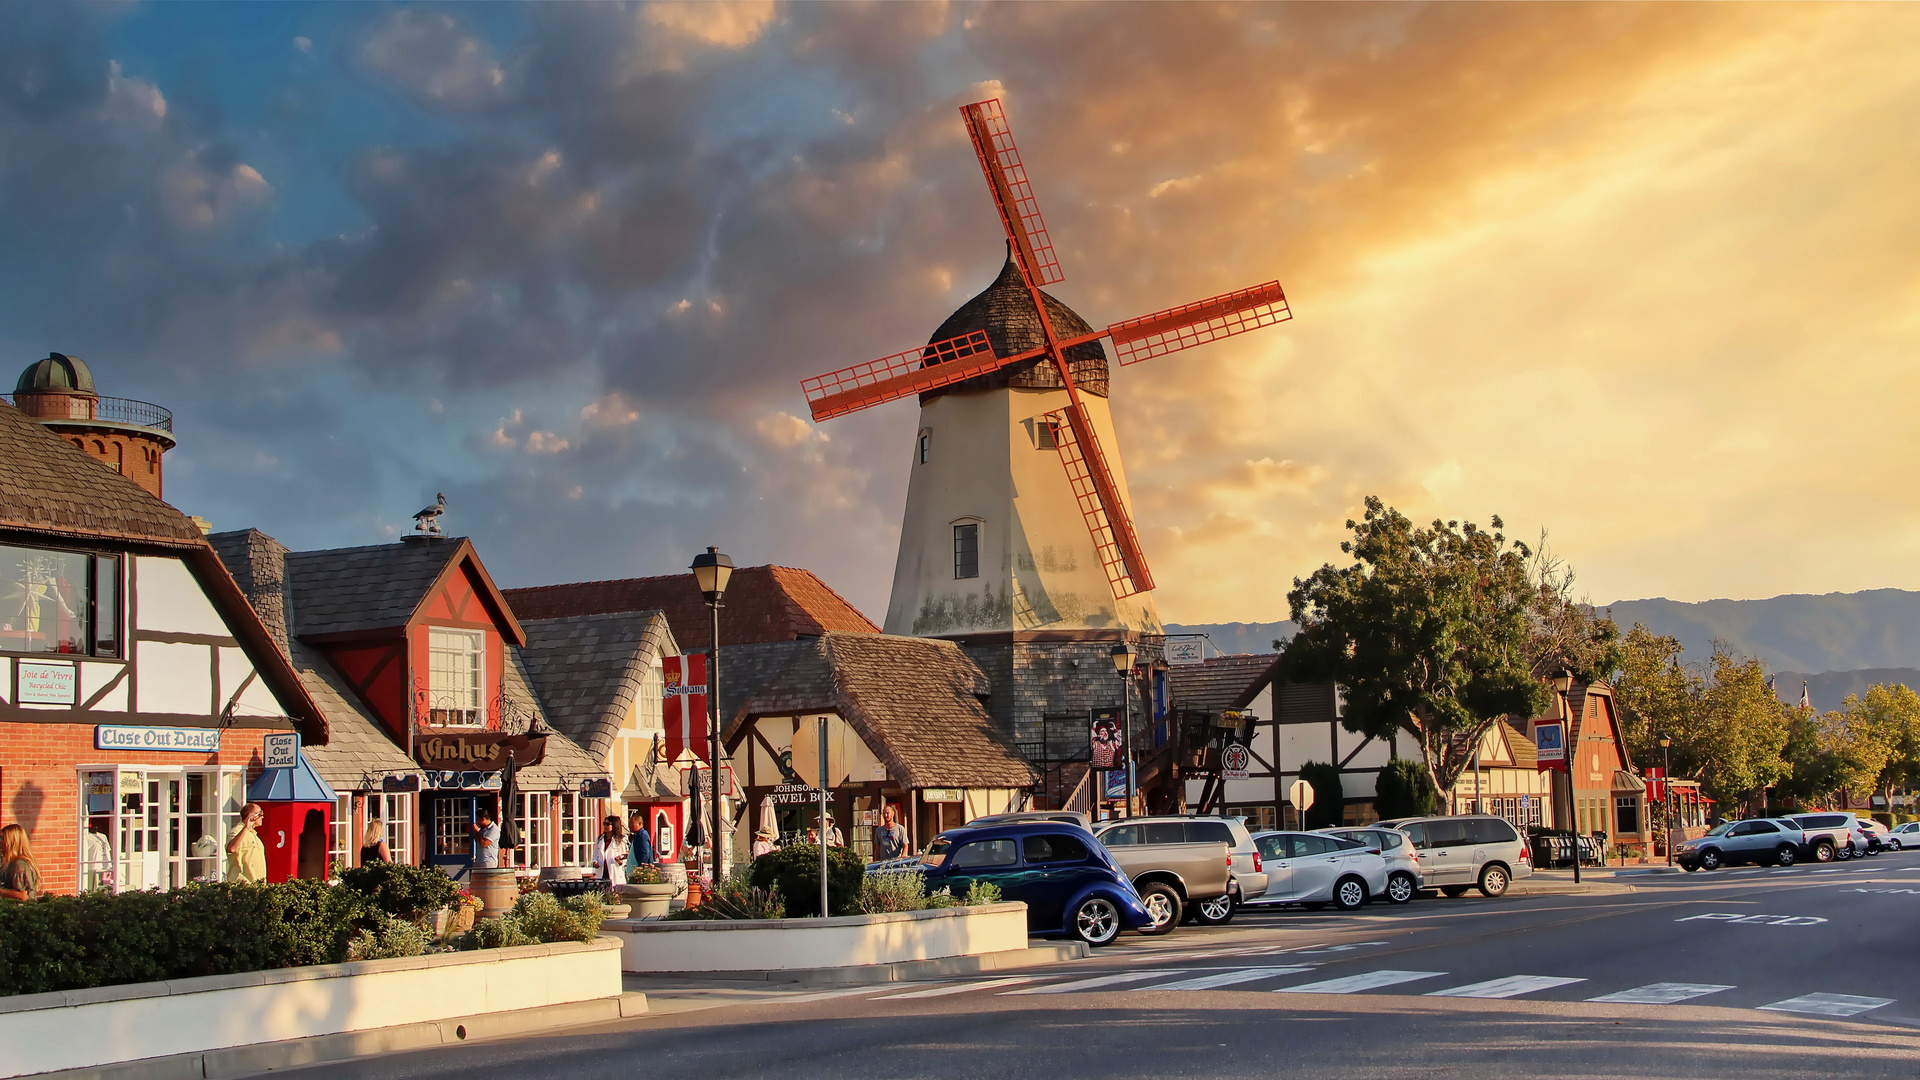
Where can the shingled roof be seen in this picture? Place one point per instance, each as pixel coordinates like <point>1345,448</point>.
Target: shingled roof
<point>565,764</point>
<point>344,591</point>
<point>588,670</point>
<point>48,486</point>
<point>763,603</point>
<point>1005,311</point>
<point>1219,682</point>
<point>915,701</point>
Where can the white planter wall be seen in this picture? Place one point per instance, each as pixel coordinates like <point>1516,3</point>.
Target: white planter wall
<point>84,1028</point>
<point>846,941</point>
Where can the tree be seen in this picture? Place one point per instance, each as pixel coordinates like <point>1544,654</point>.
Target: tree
<point>1329,802</point>
<point>1728,729</point>
<point>1404,789</point>
<point>1564,632</point>
<point>1873,739</point>
<point>1428,631</point>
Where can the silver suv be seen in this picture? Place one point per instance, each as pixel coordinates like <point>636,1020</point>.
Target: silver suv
<point>1831,835</point>
<point>1459,853</point>
<point>1403,862</point>
<point>1247,880</point>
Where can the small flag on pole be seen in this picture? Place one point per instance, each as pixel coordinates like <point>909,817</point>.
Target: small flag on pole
<point>685,706</point>
<point>1806,697</point>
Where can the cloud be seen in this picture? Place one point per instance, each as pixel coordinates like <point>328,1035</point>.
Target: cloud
<point>197,195</point>
<point>610,410</point>
<point>727,26</point>
<point>432,57</point>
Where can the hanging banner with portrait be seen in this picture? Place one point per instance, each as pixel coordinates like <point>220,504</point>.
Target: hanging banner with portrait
<point>1105,740</point>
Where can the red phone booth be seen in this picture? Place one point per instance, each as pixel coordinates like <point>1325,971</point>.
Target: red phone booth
<point>299,820</point>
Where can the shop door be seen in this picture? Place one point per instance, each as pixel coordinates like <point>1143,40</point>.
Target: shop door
<point>143,831</point>
<point>449,839</point>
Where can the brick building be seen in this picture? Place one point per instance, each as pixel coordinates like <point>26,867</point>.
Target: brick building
<point>136,684</point>
<point>130,437</point>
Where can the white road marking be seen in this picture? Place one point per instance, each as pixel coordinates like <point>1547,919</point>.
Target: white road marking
<point>1225,978</point>
<point>1662,993</point>
<point>795,999</point>
<point>1511,986</point>
<point>1097,981</point>
<point>961,988</point>
<point>1828,1004</point>
<point>1353,984</point>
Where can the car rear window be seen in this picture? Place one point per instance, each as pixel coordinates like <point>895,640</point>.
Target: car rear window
<point>1166,832</point>
<point>1121,836</point>
<point>1388,841</point>
<point>1044,849</point>
<point>1209,832</point>
<point>1821,821</point>
<point>983,853</point>
<point>1491,831</point>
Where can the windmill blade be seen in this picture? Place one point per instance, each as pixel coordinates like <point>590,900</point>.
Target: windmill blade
<point>1197,323</point>
<point>1012,194</point>
<point>910,372</point>
<point>1114,542</point>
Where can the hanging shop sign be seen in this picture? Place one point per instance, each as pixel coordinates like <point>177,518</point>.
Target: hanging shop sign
<point>183,740</point>
<point>281,751</point>
<point>1104,740</point>
<point>1115,786</point>
<point>795,795</point>
<point>1234,761</point>
<point>1191,650</point>
<point>684,709</point>
<point>1550,744</point>
<point>483,750</point>
<point>940,794</point>
<point>468,780</point>
<point>43,683</point>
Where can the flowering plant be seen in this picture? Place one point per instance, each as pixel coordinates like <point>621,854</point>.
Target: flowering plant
<point>466,899</point>
<point>645,874</point>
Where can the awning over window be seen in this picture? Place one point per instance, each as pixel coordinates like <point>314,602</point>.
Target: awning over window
<point>1624,781</point>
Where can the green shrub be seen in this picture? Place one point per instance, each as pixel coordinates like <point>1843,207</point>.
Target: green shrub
<point>538,918</point>
<point>737,898</point>
<point>981,893</point>
<point>1329,802</point>
<point>646,874</point>
<point>794,871</point>
<point>1405,790</point>
<point>401,891</point>
<point>391,938</point>
<point>497,932</point>
<point>894,891</point>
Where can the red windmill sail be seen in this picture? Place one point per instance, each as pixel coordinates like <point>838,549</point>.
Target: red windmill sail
<point>954,360</point>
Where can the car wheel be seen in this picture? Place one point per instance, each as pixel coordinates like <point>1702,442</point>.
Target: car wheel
<point>1163,903</point>
<point>1494,881</point>
<point>1843,854</point>
<point>1785,856</point>
<point>1455,891</point>
<point>1217,911</point>
<point>1823,851</point>
<point>1096,921</point>
<point>1349,894</point>
<point>1709,860</point>
<point>1400,888</point>
<point>1894,844</point>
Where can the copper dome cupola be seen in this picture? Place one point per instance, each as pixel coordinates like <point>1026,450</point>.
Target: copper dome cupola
<point>1005,312</point>
<point>127,436</point>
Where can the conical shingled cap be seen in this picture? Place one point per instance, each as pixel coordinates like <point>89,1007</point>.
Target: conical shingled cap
<point>1005,311</point>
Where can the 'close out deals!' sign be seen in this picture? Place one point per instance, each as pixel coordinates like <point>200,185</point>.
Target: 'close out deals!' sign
<point>190,740</point>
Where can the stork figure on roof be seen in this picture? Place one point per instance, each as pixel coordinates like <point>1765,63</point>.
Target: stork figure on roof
<point>427,521</point>
<point>998,342</point>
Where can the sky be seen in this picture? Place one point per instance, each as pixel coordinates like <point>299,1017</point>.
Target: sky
<point>1642,277</point>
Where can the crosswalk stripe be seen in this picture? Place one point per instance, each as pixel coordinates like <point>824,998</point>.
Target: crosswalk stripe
<point>848,991</point>
<point>1828,1004</point>
<point>1097,981</point>
<point>1661,993</point>
<point>1226,978</point>
<point>1353,984</point>
<point>1511,986</point>
<point>961,988</point>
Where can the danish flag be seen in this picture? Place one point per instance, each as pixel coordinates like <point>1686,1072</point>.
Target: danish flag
<point>684,704</point>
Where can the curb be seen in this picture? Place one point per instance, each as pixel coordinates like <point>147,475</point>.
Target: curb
<point>1649,870</point>
<point>901,971</point>
<point>230,1063</point>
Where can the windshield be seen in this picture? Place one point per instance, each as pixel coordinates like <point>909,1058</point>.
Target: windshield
<point>936,852</point>
<point>1720,829</point>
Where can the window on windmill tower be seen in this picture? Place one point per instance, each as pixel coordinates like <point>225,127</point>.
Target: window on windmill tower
<point>1046,434</point>
<point>966,550</point>
<point>926,444</point>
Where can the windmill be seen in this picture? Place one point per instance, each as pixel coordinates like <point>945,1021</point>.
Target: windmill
<point>970,356</point>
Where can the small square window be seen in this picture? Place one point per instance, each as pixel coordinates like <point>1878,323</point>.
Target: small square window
<point>966,550</point>
<point>1046,434</point>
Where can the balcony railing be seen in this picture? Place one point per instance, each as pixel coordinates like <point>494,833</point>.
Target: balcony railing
<point>112,409</point>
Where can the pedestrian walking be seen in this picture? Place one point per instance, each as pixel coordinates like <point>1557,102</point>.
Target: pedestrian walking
<point>890,839</point>
<point>19,874</point>
<point>610,853</point>
<point>246,852</point>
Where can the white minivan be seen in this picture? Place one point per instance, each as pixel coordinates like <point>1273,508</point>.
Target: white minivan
<point>1459,853</point>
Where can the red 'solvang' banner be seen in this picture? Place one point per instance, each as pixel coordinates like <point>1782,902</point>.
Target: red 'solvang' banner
<point>684,702</point>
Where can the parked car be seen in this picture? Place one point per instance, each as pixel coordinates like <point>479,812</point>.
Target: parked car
<point>1403,861</point>
<point>1876,835</point>
<point>1315,869</point>
<point>1070,884</point>
<point>1904,835</point>
<point>1760,841</point>
<point>1459,853</point>
<point>1071,817</point>
<point>1830,835</point>
<point>1179,865</point>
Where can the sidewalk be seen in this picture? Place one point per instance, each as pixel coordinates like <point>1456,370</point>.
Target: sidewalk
<point>1594,881</point>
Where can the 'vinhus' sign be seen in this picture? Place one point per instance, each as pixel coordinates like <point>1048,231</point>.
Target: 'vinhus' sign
<point>483,751</point>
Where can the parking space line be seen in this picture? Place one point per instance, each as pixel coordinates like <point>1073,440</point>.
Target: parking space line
<point>1828,1004</point>
<point>1511,986</point>
<point>1661,993</point>
<point>1225,978</point>
<point>1353,984</point>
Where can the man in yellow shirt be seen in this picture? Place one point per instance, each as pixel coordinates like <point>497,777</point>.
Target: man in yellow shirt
<point>246,852</point>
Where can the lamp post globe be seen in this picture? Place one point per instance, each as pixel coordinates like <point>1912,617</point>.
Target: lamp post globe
<point>711,573</point>
<point>1123,655</point>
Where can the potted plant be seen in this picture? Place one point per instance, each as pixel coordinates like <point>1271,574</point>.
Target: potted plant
<point>649,890</point>
<point>465,907</point>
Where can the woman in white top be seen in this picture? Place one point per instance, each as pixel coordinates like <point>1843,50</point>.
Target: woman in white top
<point>610,853</point>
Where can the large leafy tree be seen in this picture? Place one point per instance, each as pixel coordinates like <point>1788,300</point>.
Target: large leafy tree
<point>1428,629</point>
<point>1872,740</point>
<point>1728,729</point>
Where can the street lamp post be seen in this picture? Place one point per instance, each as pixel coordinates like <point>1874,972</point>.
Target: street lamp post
<point>1123,663</point>
<point>711,572</point>
<point>1666,791</point>
<point>1562,683</point>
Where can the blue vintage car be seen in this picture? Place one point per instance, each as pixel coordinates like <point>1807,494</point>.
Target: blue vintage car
<point>1067,880</point>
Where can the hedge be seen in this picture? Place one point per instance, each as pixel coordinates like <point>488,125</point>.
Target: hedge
<point>795,871</point>
<point>107,939</point>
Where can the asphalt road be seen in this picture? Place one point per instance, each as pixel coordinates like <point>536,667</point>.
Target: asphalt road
<point>1755,974</point>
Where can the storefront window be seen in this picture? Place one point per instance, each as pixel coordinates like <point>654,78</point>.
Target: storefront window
<point>143,828</point>
<point>340,852</point>
<point>1626,813</point>
<point>534,816</point>
<point>456,677</point>
<point>396,815</point>
<point>59,602</point>
<point>578,829</point>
